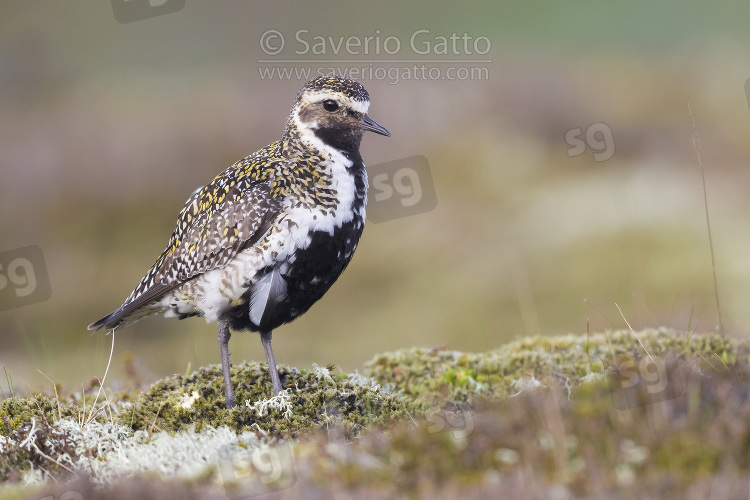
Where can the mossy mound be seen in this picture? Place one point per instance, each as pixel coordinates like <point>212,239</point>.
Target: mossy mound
<point>312,400</point>
<point>17,412</point>
<point>19,416</point>
<point>547,443</point>
<point>441,374</point>
<point>542,442</point>
<point>563,416</point>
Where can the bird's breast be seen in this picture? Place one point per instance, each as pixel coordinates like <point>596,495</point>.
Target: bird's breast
<point>309,243</point>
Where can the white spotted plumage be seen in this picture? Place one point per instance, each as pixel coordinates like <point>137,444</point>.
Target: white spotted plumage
<point>215,291</point>
<point>263,241</point>
<point>204,272</point>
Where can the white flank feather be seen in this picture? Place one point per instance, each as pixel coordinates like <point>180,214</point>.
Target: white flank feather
<point>270,290</point>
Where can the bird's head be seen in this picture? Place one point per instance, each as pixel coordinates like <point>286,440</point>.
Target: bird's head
<point>333,110</point>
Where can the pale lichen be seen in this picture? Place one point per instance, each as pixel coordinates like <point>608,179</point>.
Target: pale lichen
<point>545,409</point>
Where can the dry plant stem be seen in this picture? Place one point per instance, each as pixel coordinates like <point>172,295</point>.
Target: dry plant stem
<point>633,332</point>
<point>101,384</point>
<point>697,149</point>
<point>59,410</point>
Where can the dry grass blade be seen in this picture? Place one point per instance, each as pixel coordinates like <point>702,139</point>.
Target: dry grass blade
<point>104,406</point>
<point>697,149</point>
<point>633,332</point>
<point>101,383</point>
<point>54,386</point>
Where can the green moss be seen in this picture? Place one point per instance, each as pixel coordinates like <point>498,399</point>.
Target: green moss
<point>18,411</point>
<point>572,359</point>
<point>18,416</point>
<point>586,415</point>
<point>543,440</point>
<point>313,400</point>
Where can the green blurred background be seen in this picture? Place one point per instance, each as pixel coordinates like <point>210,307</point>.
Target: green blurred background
<point>106,128</point>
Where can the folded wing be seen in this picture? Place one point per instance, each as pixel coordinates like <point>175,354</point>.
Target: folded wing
<point>216,223</point>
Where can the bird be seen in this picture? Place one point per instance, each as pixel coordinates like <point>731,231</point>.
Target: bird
<point>261,243</point>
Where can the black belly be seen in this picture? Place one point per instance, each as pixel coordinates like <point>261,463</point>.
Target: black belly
<point>310,276</point>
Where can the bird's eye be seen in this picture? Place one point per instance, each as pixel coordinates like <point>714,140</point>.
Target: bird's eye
<point>330,105</point>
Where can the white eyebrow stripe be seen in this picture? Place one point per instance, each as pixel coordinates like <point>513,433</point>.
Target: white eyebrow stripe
<point>359,106</point>
<point>322,95</point>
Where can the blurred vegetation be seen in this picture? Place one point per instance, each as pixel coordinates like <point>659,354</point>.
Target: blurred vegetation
<point>106,128</point>
<point>572,416</point>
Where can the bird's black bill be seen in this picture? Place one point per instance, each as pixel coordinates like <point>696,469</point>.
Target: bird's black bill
<point>371,125</point>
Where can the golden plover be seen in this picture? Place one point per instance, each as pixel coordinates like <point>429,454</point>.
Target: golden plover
<point>263,241</point>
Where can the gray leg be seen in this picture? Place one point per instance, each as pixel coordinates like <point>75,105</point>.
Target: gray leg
<point>265,338</point>
<point>224,335</point>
